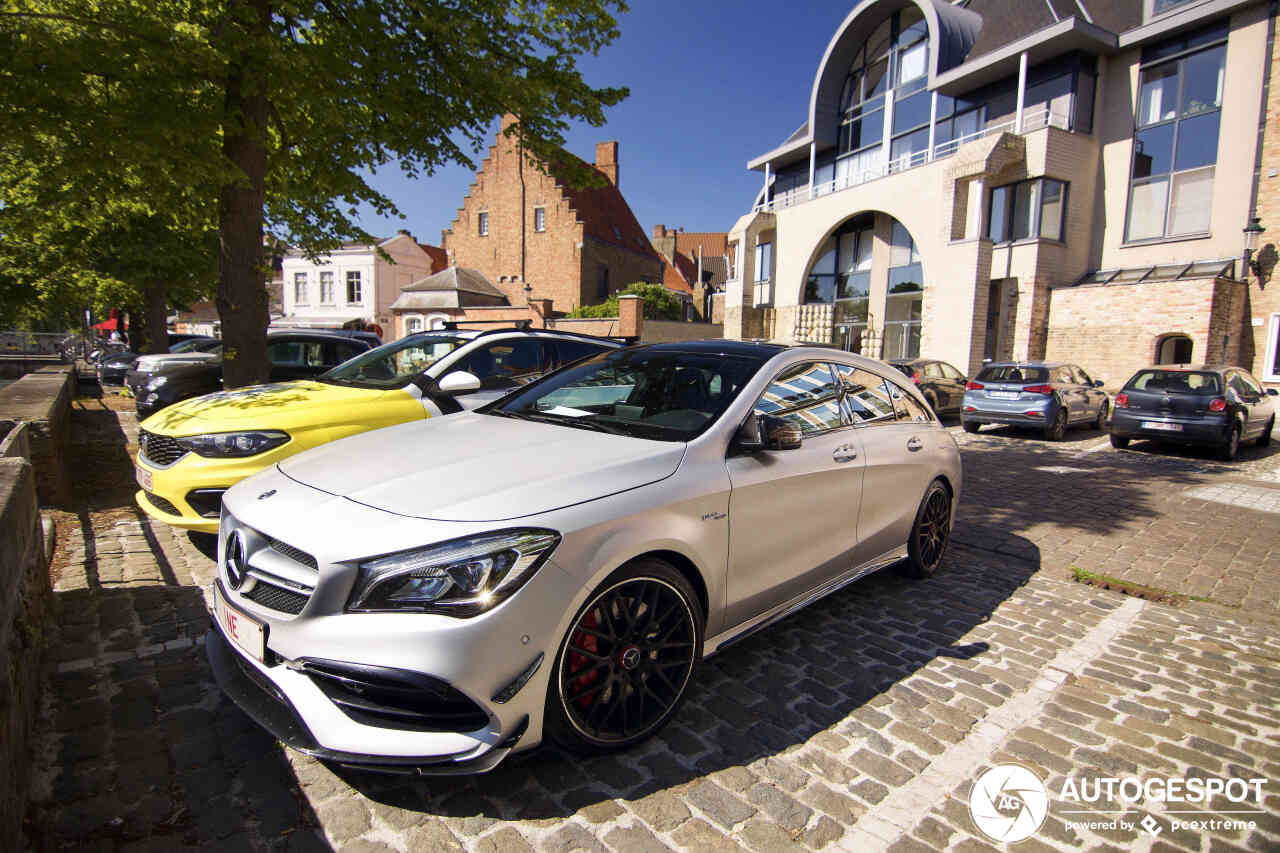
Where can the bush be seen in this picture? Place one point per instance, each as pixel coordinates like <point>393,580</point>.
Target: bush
<point>659,304</point>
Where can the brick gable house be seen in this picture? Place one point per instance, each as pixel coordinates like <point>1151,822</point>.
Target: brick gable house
<point>697,262</point>
<point>522,226</point>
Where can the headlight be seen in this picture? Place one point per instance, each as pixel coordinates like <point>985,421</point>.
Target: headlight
<point>459,578</point>
<point>157,381</point>
<point>224,445</point>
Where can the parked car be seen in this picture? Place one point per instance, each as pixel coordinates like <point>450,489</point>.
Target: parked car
<point>200,351</point>
<point>433,596</point>
<point>1198,405</point>
<point>192,452</point>
<point>293,355</point>
<point>1042,395</point>
<point>942,385</point>
<point>112,368</point>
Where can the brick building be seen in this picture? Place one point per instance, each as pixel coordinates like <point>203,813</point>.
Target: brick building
<point>526,230</point>
<point>1005,179</point>
<point>699,261</point>
<point>1263,308</point>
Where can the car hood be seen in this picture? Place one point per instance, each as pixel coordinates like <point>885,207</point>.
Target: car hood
<point>474,467</point>
<point>149,363</point>
<point>278,405</point>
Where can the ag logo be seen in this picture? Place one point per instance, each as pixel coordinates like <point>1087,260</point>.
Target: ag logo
<point>1008,803</point>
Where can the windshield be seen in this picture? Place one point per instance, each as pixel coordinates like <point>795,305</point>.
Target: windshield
<point>1175,382</point>
<point>662,395</point>
<point>393,365</point>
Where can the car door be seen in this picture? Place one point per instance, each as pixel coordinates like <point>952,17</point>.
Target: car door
<point>1250,398</point>
<point>793,513</point>
<point>898,434</point>
<point>953,381</point>
<point>1092,396</point>
<point>502,366</point>
<point>1069,392</point>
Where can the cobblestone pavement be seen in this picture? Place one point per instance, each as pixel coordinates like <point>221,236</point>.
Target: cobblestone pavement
<point>858,724</point>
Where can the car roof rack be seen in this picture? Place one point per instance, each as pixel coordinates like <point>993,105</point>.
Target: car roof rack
<point>527,326</point>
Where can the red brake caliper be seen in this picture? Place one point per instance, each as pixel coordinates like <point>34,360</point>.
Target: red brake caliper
<point>578,661</point>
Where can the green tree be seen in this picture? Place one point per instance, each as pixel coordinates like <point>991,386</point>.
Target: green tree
<point>272,112</point>
<point>659,303</point>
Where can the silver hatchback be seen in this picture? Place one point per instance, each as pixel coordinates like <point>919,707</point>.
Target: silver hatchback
<point>431,597</point>
<point>1041,395</point>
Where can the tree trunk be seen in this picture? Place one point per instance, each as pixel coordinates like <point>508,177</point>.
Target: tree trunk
<point>242,292</point>
<point>154,331</point>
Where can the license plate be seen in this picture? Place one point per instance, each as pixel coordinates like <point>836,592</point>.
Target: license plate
<point>1161,425</point>
<point>245,631</point>
<point>1003,395</point>
<point>144,478</point>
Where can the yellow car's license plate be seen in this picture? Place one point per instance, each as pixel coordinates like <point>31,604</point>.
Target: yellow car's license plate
<point>144,478</point>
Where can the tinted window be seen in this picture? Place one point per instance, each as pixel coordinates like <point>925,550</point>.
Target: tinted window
<point>395,364</point>
<point>950,372</point>
<point>1081,377</point>
<point>569,351</point>
<point>344,351</point>
<point>932,370</point>
<point>1250,383</point>
<point>506,364</point>
<point>806,395</point>
<point>296,353</point>
<point>906,407</point>
<point>866,399</point>
<point>1013,373</point>
<point>1175,382</point>
<point>907,369</point>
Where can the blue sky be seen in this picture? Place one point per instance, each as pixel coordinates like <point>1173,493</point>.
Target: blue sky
<point>712,85</point>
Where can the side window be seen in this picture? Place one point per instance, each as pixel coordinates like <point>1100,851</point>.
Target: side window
<point>1079,377</point>
<point>569,351</point>
<point>1062,376</point>
<point>865,399</point>
<point>285,353</point>
<point>806,395</point>
<point>506,364</point>
<point>951,373</point>
<point>1254,388</point>
<point>338,352</point>
<point>932,370</point>
<point>905,406</point>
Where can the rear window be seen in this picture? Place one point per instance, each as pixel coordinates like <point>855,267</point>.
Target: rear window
<point>1013,373</point>
<point>1176,382</point>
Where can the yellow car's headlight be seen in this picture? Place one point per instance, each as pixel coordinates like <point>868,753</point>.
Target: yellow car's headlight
<point>233,445</point>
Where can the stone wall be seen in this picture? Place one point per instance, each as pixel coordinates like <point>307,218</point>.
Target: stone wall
<point>665,331</point>
<point>25,616</point>
<point>43,401</point>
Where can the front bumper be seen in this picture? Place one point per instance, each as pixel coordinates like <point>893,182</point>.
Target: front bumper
<point>1194,430</point>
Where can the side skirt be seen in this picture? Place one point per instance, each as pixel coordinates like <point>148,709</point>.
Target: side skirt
<point>782,611</point>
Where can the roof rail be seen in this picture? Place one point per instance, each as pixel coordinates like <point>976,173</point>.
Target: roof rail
<point>527,326</point>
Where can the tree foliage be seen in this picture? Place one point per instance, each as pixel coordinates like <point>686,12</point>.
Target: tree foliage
<point>659,303</point>
<point>267,116</point>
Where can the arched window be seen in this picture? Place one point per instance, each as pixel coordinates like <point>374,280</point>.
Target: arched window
<point>1174,349</point>
<point>412,323</point>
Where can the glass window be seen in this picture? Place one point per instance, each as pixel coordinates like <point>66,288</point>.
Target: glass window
<point>806,395</point>
<point>1025,200</point>
<point>296,353</point>
<point>568,351</point>
<point>505,364</point>
<point>1179,122</point>
<point>539,219</point>
<point>902,249</point>
<point>341,352</point>
<point>866,401</point>
<point>764,261</point>
<point>412,324</point>
<point>326,288</point>
<point>932,370</point>
<point>1027,209</point>
<point>906,407</point>
<point>393,365</point>
<point>300,288</point>
<point>911,112</point>
<point>1051,210</point>
<point>998,225</point>
<point>353,287</point>
<point>951,373</point>
<point>483,223</point>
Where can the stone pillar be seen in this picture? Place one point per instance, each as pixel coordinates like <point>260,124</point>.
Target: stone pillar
<point>630,316</point>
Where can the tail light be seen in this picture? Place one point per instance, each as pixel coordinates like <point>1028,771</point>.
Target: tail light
<point>973,386</point>
<point>1218,404</point>
<point>1039,389</point>
<point>915,377</point>
<point>1122,400</point>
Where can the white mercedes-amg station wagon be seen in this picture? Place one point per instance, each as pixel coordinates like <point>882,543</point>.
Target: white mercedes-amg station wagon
<point>427,598</point>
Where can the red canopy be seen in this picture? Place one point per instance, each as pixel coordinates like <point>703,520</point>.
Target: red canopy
<point>110,324</point>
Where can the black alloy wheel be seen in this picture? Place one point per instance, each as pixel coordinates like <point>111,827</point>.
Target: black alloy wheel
<point>625,664</point>
<point>1228,449</point>
<point>1058,429</point>
<point>971,426</point>
<point>1119,441</point>
<point>1101,422</point>
<point>931,532</point>
<point>1265,439</point>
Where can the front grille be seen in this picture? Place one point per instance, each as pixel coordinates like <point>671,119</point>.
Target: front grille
<point>162,504</point>
<point>394,698</point>
<point>286,601</point>
<point>160,450</point>
<point>295,554</point>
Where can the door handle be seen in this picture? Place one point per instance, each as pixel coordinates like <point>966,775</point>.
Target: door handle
<point>914,444</point>
<point>844,453</point>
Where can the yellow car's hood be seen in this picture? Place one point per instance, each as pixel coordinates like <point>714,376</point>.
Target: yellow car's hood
<point>279,405</point>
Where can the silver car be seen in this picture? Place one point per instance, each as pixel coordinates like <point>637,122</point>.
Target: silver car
<point>430,597</point>
<point>1047,396</point>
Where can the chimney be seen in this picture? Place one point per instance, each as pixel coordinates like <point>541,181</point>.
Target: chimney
<point>607,160</point>
<point>659,231</point>
<point>406,232</point>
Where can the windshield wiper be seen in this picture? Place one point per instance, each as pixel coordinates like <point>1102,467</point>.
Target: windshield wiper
<point>564,420</point>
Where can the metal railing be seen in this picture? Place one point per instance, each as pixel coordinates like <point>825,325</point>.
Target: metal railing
<point>1032,120</point>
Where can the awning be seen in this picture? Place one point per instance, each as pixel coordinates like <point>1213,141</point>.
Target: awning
<point>325,321</point>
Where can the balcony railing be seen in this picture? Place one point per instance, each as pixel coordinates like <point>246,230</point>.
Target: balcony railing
<point>1032,120</point>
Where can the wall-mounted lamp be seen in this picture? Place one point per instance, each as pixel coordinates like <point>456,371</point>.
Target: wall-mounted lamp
<point>1251,232</point>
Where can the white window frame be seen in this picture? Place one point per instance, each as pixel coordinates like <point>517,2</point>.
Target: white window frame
<point>482,223</point>
<point>359,283</point>
<point>413,318</point>
<point>539,219</point>
<point>332,288</point>
<point>300,278</point>
<point>435,322</point>
<point>1269,373</point>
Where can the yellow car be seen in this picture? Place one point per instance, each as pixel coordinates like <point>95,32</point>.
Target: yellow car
<point>193,451</point>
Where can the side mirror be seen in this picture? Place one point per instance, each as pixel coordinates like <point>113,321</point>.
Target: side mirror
<point>1097,383</point>
<point>459,382</point>
<point>766,432</point>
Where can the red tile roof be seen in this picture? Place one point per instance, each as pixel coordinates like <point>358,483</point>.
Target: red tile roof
<point>712,242</point>
<point>604,213</point>
<point>439,257</point>
<point>679,276</point>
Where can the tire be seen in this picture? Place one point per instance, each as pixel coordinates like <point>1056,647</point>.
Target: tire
<point>1119,441</point>
<point>970,426</point>
<point>930,532</point>
<point>1264,440</point>
<point>1101,422</point>
<point>1228,449</point>
<point>1058,429</point>
<point>594,691</point>
<point>933,404</point>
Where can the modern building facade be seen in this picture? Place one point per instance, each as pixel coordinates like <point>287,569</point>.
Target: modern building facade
<point>1013,179</point>
<point>527,229</point>
<point>354,282</point>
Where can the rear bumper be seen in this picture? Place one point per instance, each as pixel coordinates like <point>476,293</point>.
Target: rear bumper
<point>1128,424</point>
